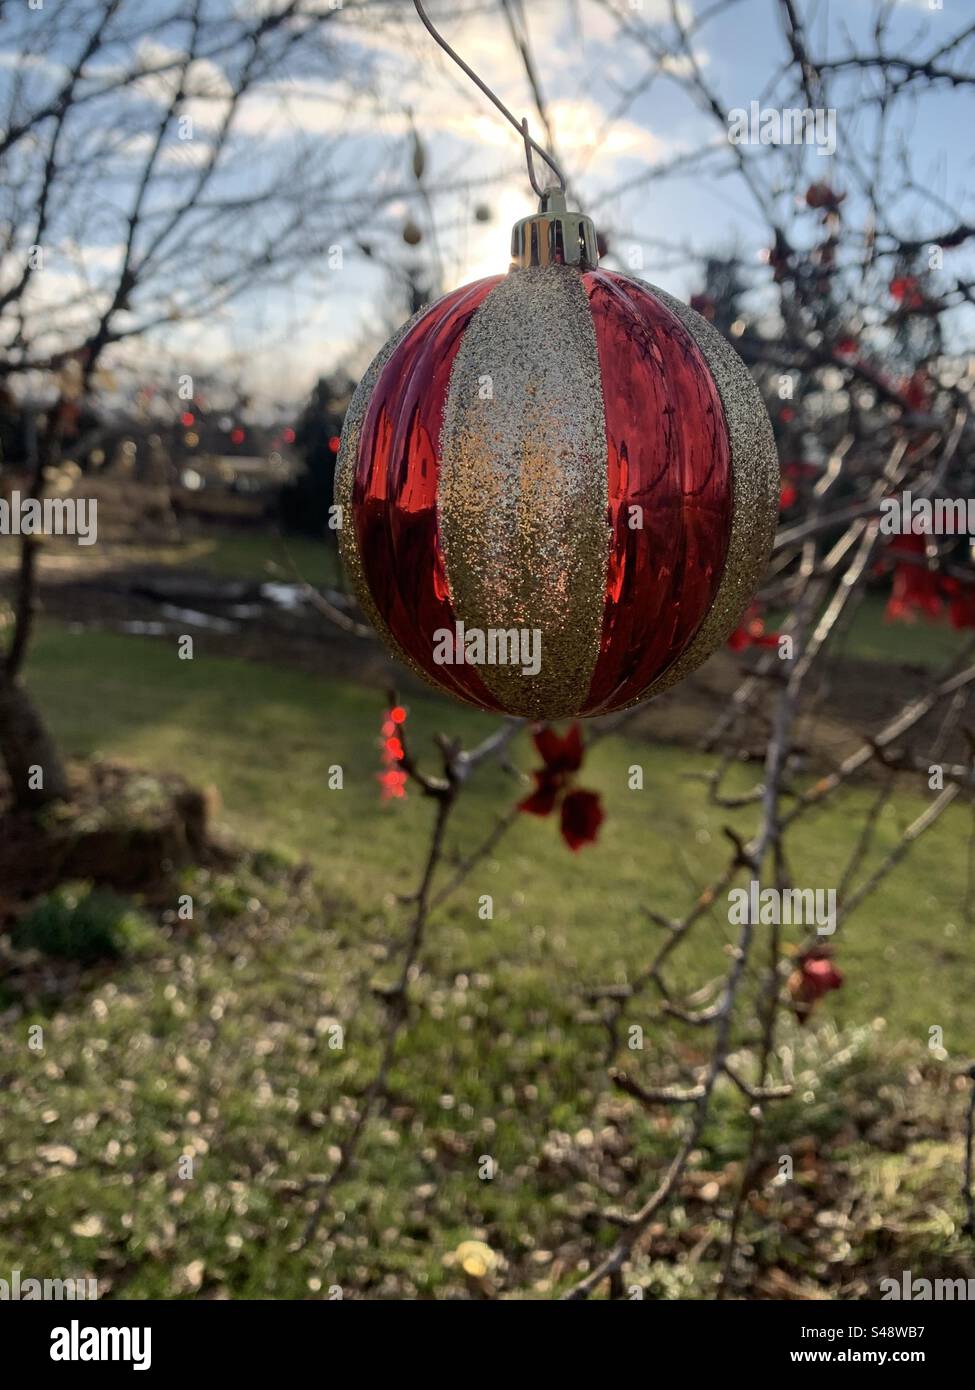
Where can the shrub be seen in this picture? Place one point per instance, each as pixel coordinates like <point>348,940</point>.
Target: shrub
<point>82,923</point>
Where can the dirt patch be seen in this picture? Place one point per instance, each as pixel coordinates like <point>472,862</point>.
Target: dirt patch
<point>120,828</point>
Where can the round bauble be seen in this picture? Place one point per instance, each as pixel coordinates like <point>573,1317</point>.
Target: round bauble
<point>559,487</point>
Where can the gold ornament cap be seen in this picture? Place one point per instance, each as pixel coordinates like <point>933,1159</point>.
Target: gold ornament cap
<point>554,236</point>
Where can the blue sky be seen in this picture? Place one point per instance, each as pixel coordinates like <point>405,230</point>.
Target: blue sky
<point>353,111</point>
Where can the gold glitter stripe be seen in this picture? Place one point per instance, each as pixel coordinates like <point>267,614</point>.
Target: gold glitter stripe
<point>755,493</point>
<point>522,491</point>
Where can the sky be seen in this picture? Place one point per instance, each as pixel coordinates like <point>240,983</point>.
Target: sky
<point>355,110</point>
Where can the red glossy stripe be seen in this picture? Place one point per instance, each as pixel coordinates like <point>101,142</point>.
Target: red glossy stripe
<point>394,497</point>
<point>668,454</point>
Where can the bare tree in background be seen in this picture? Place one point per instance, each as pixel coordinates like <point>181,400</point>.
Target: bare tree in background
<point>153,169</point>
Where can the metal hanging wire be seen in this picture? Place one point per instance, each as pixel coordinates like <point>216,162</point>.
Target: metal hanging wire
<point>521,126</point>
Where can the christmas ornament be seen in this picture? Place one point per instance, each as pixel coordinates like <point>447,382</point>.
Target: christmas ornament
<point>559,486</point>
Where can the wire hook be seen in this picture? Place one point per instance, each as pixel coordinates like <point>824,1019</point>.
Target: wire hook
<point>521,126</point>
<point>531,163</point>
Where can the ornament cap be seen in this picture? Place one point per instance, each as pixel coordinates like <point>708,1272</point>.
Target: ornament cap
<point>554,236</point>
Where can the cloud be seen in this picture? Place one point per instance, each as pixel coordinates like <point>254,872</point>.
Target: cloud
<point>34,61</point>
<point>379,77</point>
<point>159,70</point>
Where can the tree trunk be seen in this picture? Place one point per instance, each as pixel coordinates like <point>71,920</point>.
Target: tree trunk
<point>29,752</point>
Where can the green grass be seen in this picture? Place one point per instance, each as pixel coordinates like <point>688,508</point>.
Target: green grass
<point>922,643</point>
<point>220,1044</point>
<point>870,636</point>
<point>267,737</point>
<point>243,554</point>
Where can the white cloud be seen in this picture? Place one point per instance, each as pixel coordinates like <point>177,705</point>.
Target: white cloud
<point>34,61</point>
<point>390,77</point>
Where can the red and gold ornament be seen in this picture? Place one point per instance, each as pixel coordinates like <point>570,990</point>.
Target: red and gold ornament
<point>566,450</point>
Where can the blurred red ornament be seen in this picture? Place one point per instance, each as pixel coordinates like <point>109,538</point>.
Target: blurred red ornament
<point>237,435</point>
<point>906,290</point>
<point>562,452</point>
<point>787,496</point>
<point>187,418</point>
<point>751,632</point>
<point>335,443</point>
<point>814,975</point>
<point>916,588</point>
<point>393,778</point>
<point>288,435</point>
<point>393,783</point>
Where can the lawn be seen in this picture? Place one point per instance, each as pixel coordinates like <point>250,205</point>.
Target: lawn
<point>869,635</point>
<point>923,643</point>
<point>216,1044</point>
<point>267,737</point>
<point>261,555</point>
<point>232,553</point>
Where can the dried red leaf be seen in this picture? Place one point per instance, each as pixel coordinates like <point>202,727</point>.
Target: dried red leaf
<point>560,754</point>
<point>543,798</point>
<point>582,815</point>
